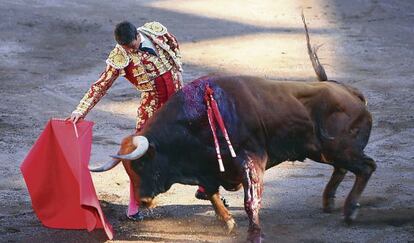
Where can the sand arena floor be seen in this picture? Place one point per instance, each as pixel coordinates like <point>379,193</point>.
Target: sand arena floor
<point>51,51</point>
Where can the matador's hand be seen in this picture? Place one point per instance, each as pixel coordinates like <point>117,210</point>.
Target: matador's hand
<point>74,117</point>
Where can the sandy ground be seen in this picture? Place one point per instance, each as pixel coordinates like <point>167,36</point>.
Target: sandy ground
<point>51,51</point>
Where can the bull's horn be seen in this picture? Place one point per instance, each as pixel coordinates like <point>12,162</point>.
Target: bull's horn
<point>107,166</point>
<point>142,145</point>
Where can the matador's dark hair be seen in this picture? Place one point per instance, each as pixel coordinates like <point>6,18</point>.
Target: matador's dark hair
<point>125,33</point>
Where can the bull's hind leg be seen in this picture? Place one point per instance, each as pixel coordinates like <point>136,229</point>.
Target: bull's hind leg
<point>363,169</point>
<point>330,189</point>
<point>253,189</point>
<point>221,211</point>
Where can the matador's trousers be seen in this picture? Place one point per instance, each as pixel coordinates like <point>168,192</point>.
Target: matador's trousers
<point>151,101</point>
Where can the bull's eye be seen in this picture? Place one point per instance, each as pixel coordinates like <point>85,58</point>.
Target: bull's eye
<point>140,163</point>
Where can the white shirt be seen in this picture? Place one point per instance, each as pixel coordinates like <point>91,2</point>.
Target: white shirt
<point>146,42</point>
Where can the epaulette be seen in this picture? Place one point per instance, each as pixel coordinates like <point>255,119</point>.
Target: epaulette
<point>118,58</point>
<point>153,28</point>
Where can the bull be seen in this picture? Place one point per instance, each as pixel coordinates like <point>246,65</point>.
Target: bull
<point>268,123</point>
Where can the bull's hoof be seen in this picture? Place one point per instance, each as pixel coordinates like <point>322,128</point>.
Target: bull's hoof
<point>231,225</point>
<point>351,213</point>
<point>329,205</point>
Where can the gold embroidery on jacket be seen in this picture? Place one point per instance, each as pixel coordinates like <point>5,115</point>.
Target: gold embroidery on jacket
<point>137,71</point>
<point>146,86</point>
<point>154,28</point>
<point>118,58</point>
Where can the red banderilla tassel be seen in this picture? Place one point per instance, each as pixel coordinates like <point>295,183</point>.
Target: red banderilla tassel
<point>214,115</point>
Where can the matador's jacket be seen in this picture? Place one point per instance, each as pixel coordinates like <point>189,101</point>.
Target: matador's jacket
<point>156,75</point>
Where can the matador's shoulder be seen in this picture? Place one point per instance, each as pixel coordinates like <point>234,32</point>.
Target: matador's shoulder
<point>118,58</point>
<point>153,28</point>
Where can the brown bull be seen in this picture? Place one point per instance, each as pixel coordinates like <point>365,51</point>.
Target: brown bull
<point>268,122</point>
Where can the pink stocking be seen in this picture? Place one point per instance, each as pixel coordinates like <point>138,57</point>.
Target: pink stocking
<point>133,205</point>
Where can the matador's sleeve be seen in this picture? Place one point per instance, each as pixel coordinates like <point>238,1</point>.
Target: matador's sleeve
<point>116,62</point>
<point>97,90</point>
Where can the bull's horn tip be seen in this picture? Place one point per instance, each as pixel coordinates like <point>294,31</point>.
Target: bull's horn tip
<point>95,169</point>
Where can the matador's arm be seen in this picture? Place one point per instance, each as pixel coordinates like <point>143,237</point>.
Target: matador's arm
<point>116,62</point>
<point>97,91</point>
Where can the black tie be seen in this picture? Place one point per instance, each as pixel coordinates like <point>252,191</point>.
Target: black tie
<point>147,49</point>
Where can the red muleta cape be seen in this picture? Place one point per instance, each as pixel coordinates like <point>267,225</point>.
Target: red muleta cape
<point>58,179</point>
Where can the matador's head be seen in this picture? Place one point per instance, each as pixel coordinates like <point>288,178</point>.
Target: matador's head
<point>127,36</point>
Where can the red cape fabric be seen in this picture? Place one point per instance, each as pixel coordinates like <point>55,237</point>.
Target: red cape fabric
<point>58,179</point>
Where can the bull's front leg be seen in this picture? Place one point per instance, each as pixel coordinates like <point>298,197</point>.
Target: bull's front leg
<point>221,211</point>
<point>253,189</point>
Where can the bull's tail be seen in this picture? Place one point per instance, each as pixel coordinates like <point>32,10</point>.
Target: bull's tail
<point>317,66</point>
<point>320,71</point>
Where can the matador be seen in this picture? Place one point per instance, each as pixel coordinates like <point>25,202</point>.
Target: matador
<point>149,59</point>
